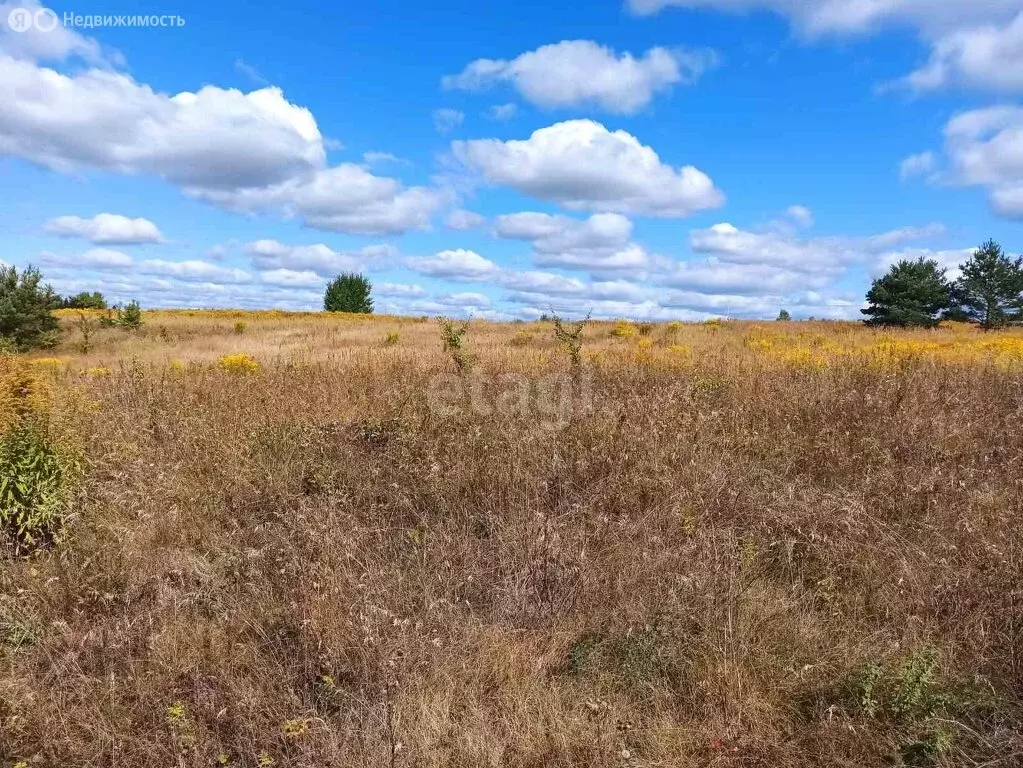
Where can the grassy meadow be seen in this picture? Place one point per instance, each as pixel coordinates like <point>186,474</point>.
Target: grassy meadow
<point>307,540</point>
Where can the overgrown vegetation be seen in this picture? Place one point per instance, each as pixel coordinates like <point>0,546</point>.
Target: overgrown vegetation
<point>760,544</point>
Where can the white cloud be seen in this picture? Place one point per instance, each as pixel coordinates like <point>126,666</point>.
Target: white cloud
<point>318,259</point>
<point>446,120</point>
<point>736,246</point>
<point>503,111</point>
<point>105,229</point>
<point>291,277</point>
<point>984,147</point>
<point>96,258</point>
<point>856,16</point>
<point>580,72</point>
<point>252,151</point>
<point>462,219</point>
<point>599,243</point>
<point>985,57</point>
<point>800,215</point>
<point>583,166</point>
<point>974,43</point>
<point>950,260</point>
<point>459,264</point>
<point>194,270</point>
<point>922,164</point>
<point>58,44</point>
<point>398,289</point>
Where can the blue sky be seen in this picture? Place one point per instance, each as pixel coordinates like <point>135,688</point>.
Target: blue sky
<point>655,159</point>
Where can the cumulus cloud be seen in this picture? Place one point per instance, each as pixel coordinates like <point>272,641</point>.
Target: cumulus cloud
<point>252,151</point>
<point>458,264</point>
<point>984,147</point>
<point>318,259</point>
<point>985,57</point>
<point>57,44</point>
<point>855,16</point>
<point>584,166</point>
<point>974,43</point>
<point>580,72</point>
<point>105,229</point>
<point>96,258</point>
<point>599,243</point>
<point>950,260</point>
<point>736,246</point>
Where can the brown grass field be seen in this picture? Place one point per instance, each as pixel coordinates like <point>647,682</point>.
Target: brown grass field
<point>728,544</point>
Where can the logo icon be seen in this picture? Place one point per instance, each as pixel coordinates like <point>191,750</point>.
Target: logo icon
<point>20,20</point>
<point>46,20</point>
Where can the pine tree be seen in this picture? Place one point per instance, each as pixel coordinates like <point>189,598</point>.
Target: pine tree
<point>913,293</point>
<point>25,304</point>
<point>990,290</point>
<point>348,292</point>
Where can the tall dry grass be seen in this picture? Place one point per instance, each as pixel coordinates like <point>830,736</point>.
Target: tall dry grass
<point>728,555</point>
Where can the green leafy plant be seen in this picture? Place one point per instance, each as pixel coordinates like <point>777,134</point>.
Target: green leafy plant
<point>392,338</point>
<point>38,480</point>
<point>348,292</point>
<point>452,334</point>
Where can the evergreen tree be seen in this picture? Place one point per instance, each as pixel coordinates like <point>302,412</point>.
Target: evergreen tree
<point>25,304</point>
<point>913,293</point>
<point>990,290</point>
<point>348,292</point>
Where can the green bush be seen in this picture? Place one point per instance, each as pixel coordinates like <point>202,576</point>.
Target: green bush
<point>38,479</point>
<point>130,316</point>
<point>25,318</point>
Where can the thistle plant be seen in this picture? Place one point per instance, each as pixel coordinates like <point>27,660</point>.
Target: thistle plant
<point>569,335</point>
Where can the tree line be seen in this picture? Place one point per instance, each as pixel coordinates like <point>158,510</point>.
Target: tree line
<point>917,293</point>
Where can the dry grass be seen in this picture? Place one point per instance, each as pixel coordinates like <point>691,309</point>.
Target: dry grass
<point>776,545</point>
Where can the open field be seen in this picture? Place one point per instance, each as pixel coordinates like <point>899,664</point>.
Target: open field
<point>727,544</point>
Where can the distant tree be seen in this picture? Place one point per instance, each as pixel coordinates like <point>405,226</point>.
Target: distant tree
<point>348,292</point>
<point>784,316</point>
<point>990,291</point>
<point>85,300</point>
<point>25,304</point>
<point>913,293</point>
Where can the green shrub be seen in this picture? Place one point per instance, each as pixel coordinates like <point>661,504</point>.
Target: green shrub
<point>25,318</point>
<point>38,480</point>
<point>130,316</point>
<point>452,337</point>
<point>393,337</point>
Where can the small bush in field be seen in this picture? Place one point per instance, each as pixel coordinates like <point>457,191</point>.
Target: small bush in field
<point>238,363</point>
<point>130,316</point>
<point>239,327</point>
<point>645,329</point>
<point>571,337</point>
<point>392,338</point>
<point>623,329</point>
<point>452,335</point>
<point>39,473</point>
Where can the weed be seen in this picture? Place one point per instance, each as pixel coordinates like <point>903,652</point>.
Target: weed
<point>392,338</point>
<point>239,327</point>
<point>452,334</point>
<point>238,363</point>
